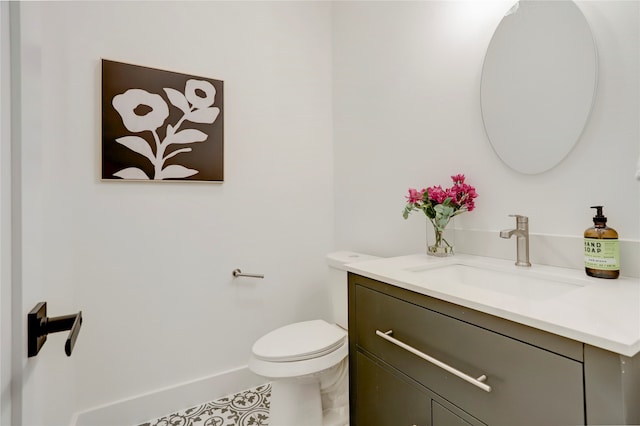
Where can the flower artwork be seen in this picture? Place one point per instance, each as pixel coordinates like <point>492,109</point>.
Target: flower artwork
<point>160,125</point>
<point>440,205</point>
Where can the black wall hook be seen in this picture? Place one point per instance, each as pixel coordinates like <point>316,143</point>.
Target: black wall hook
<point>39,325</point>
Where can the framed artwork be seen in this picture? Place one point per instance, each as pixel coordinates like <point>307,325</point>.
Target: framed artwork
<point>160,125</point>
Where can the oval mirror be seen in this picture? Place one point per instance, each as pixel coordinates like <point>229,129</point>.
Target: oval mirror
<point>538,84</point>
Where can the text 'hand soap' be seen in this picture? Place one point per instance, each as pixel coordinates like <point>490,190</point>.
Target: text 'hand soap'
<point>601,249</point>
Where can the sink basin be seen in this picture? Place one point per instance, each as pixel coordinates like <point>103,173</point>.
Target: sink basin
<point>523,283</point>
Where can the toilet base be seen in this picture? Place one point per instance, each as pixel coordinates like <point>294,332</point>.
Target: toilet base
<point>320,399</point>
<point>294,402</point>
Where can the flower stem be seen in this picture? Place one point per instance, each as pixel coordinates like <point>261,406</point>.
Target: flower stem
<point>157,163</point>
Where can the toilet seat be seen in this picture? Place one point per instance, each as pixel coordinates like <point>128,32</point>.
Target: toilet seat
<point>299,341</point>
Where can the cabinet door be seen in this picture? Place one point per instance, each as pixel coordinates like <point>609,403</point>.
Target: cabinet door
<point>385,399</point>
<point>441,416</point>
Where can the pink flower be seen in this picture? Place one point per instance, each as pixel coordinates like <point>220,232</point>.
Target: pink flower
<point>459,178</point>
<point>415,196</point>
<point>437,194</point>
<point>468,194</point>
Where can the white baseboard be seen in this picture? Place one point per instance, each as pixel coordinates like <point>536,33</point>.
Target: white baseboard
<point>141,408</point>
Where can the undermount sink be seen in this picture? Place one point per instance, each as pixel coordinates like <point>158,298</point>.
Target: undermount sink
<point>520,282</point>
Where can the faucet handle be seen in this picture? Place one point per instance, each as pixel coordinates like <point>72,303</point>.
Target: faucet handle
<point>520,218</point>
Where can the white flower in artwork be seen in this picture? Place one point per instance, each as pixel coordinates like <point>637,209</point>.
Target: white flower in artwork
<point>143,111</point>
<point>153,108</point>
<point>192,95</point>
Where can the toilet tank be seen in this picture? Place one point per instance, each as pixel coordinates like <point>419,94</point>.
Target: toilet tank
<point>337,281</point>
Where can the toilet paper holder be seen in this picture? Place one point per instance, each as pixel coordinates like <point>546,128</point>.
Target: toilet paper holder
<point>239,273</point>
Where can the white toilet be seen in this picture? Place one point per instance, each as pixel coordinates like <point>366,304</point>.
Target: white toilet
<point>307,361</point>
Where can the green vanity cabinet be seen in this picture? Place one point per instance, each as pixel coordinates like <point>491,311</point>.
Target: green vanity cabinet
<point>510,374</point>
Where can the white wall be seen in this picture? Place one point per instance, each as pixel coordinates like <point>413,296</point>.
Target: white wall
<point>407,114</point>
<point>150,264</point>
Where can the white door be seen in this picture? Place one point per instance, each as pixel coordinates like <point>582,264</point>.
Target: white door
<point>36,390</point>
<point>5,220</point>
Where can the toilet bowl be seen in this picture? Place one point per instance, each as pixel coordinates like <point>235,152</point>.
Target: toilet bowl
<point>307,361</point>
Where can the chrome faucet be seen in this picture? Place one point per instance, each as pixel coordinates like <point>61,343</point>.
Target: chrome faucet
<point>522,239</point>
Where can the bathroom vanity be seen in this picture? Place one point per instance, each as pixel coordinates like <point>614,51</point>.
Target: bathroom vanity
<point>428,347</point>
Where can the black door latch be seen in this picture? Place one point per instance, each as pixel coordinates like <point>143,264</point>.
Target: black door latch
<point>39,325</point>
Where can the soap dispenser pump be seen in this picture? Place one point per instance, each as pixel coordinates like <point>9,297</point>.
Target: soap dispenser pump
<point>601,249</point>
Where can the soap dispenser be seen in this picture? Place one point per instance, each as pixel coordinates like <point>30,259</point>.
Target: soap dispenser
<point>601,250</point>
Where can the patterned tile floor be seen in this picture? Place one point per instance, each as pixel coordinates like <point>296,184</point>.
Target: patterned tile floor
<point>248,408</point>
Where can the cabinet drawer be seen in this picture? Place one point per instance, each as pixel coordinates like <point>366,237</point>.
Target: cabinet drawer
<point>529,385</point>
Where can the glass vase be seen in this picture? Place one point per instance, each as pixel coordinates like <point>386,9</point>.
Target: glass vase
<point>440,241</point>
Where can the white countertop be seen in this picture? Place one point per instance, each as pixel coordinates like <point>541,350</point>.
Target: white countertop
<point>600,312</point>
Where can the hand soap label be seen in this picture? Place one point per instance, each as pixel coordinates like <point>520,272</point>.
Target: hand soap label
<point>601,254</point>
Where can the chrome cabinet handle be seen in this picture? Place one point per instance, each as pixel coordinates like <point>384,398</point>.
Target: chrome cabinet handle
<point>479,382</point>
